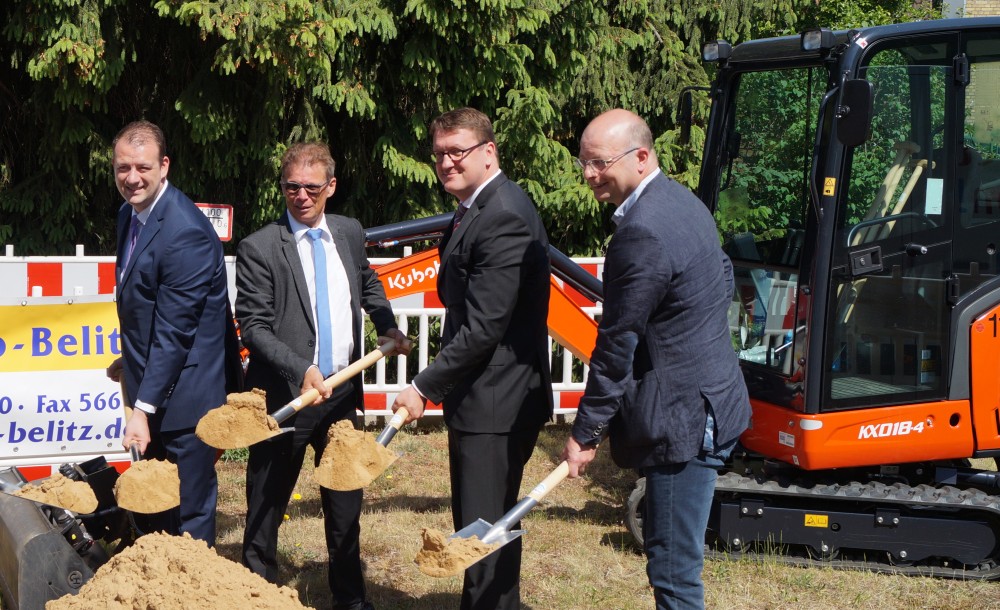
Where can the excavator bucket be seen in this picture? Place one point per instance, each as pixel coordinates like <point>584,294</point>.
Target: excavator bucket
<point>36,562</point>
<point>47,552</point>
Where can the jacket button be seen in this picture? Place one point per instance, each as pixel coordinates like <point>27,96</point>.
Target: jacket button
<point>312,343</point>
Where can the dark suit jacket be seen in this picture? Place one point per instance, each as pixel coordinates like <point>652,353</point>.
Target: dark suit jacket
<point>663,356</point>
<point>172,307</point>
<point>492,374</point>
<point>272,304</point>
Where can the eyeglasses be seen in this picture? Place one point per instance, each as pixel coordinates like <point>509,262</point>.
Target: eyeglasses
<point>438,156</point>
<point>600,165</point>
<point>292,188</point>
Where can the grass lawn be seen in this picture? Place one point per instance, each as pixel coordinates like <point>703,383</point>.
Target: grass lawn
<point>577,552</point>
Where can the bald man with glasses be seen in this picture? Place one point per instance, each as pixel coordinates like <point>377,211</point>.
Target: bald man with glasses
<point>664,382</point>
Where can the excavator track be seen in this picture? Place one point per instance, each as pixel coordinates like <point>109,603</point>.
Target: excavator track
<point>921,530</point>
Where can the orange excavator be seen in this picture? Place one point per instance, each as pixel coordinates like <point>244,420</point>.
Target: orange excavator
<point>855,179</point>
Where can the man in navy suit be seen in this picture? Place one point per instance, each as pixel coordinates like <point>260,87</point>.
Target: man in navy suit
<point>492,374</point>
<point>173,311</point>
<point>664,384</point>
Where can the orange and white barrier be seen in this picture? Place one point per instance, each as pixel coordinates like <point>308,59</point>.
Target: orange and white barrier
<point>58,332</point>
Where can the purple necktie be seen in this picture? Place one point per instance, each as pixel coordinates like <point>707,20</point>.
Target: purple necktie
<point>133,236</point>
<point>458,216</point>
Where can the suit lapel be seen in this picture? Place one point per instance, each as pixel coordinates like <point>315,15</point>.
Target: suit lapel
<point>148,232</point>
<point>346,256</point>
<point>289,249</point>
<point>451,239</point>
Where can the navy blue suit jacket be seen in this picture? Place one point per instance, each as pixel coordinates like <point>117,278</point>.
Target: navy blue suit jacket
<point>663,357</point>
<point>173,308</point>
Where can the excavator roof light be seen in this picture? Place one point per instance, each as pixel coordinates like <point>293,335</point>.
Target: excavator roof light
<point>720,50</point>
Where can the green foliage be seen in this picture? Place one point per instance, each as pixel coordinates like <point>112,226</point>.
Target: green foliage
<point>234,82</point>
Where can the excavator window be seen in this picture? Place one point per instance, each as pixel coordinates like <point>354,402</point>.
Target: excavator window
<point>762,204</point>
<point>889,328</point>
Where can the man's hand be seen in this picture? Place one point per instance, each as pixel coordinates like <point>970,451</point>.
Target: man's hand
<point>115,370</point>
<point>412,401</point>
<point>578,456</point>
<point>403,344</point>
<point>136,431</point>
<point>313,379</point>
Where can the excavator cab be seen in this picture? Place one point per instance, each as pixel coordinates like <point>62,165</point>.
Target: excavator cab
<point>855,180</point>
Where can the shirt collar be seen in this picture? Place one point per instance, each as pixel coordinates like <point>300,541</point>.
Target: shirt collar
<point>630,200</point>
<point>468,202</point>
<point>299,229</point>
<point>143,216</point>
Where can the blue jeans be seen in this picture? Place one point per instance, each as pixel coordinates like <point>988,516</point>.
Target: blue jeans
<point>678,502</point>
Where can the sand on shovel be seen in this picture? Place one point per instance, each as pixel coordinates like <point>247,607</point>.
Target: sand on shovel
<point>442,556</point>
<point>352,459</point>
<point>149,486</point>
<point>60,491</point>
<point>241,422</point>
<point>164,572</point>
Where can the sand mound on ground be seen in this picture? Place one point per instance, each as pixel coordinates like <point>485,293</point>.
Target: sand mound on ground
<point>165,572</point>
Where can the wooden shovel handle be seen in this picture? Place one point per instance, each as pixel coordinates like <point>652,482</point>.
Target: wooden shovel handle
<point>309,396</point>
<point>548,483</point>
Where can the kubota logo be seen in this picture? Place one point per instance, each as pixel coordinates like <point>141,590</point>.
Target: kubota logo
<point>896,428</point>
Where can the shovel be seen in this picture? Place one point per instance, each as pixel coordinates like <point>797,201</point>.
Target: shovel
<point>500,532</point>
<point>153,489</point>
<point>352,460</point>
<point>218,429</point>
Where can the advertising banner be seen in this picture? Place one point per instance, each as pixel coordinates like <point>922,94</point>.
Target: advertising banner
<point>56,403</point>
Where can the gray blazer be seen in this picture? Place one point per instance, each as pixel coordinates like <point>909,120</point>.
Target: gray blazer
<point>272,305</point>
<point>663,357</point>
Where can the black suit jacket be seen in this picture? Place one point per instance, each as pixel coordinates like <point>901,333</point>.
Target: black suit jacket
<point>492,373</point>
<point>272,304</point>
<point>173,309</point>
<point>663,356</point>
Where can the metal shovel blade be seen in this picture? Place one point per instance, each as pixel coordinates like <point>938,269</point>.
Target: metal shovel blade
<point>488,533</point>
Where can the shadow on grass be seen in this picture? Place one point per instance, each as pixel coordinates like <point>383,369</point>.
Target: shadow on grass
<point>310,581</point>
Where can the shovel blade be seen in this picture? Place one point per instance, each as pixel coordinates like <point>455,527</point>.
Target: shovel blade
<point>484,531</point>
<point>478,529</point>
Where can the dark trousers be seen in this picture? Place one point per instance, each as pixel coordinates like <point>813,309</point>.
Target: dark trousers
<point>272,470</point>
<point>199,486</point>
<point>678,502</point>
<point>486,472</point>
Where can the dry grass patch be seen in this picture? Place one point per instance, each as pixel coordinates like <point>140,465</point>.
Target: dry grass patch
<point>577,553</point>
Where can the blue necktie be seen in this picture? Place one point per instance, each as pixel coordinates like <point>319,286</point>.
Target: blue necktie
<point>322,303</point>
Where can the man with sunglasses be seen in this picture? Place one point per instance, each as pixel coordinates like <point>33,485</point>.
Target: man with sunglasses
<point>664,381</point>
<point>492,373</point>
<point>301,283</point>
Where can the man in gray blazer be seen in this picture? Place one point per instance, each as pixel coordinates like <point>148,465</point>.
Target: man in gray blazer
<point>492,374</point>
<point>664,384</point>
<point>302,281</point>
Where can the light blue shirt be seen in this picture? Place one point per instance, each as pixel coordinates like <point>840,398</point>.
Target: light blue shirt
<point>630,200</point>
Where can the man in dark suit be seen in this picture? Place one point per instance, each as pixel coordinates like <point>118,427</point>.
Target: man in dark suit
<point>297,337</point>
<point>492,374</point>
<point>173,309</point>
<point>664,382</point>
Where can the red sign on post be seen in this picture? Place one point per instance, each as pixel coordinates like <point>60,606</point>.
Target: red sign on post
<point>221,217</point>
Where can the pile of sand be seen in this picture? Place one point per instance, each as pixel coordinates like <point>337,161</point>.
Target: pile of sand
<point>149,486</point>
<point>57,490</point>
<point>352,459</point>
<point>241,422</point>
<point>441,556</point>
<point>165,572</point>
